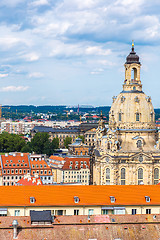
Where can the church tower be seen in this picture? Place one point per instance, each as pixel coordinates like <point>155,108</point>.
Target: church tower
<point>128,151</point>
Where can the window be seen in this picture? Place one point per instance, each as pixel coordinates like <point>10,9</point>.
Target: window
<point>137,117</point>
<point>147,199</point>
<point>20,171</point>
<point>76,212</point>
<point>156,176</point>
<point>120,117</point>
<point>32,200</point>
<point>76,199</point>
<point>16,171</point>
<point>140,176</point>
<point>104,211</point>
<point>123,176</point>
<point>139,144</point>
<point>17,213</point>
<point>4,171</point>
<point>90,211</point>
<point>107,176</point>
<point>24,171</point>
<point>71,162</point>
<point>134,211</point>
<point>151,116</point>
<point>12,171</point>
<point>140,158</point>
<point>8,171</point>
<point>148,211</point>
<point>112,199</point>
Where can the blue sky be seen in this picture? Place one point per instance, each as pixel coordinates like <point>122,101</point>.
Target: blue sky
<point>55,52</point>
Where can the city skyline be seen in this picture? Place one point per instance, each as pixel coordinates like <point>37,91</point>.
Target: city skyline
<point>72,52</point>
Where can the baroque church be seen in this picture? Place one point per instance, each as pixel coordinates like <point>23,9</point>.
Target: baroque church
<point>127,153</point>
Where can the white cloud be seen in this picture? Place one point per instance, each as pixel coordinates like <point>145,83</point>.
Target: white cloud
<point>31,57</point>
<point>14,89</point>
<point>39,3</point>
<point>2,75</point>
<point>96,50</point>
<point>36,75</point>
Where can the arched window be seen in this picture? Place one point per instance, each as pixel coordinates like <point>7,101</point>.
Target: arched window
<point>140,176</point>
<point>156,176</point>
<point>123,176</point>
<point>134,74</point>
<point>108,145</point>
<point>137,117</point>
<point>139,144</point>
<point>107,176</point>
<point>120,117</point>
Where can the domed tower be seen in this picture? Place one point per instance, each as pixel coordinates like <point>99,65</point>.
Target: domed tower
<point>128,152</point>
<point>133,110</point>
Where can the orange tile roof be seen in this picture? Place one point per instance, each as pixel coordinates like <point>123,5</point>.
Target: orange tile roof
<point>29,181</point>
<point>68,161</point>
<point>17,161</point>
<point>88,195</point>
<point>56,158</point>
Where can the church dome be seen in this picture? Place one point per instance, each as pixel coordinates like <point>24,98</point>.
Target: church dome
<point>133,111</point>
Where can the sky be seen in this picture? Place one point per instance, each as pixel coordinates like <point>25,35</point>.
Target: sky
<point>70,52</point>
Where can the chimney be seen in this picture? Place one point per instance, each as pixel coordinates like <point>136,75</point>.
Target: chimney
<point>15,225</point>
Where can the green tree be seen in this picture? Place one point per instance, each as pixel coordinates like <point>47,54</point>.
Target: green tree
<point>11,142</point>
<point>67,141</point>
<point>82,137</point>
<point>41,144</point>
<point>55,143</point>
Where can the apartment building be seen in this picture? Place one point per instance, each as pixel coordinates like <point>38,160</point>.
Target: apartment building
<point>14,167</point>
<point>41,168</point>
<point>76,170</point>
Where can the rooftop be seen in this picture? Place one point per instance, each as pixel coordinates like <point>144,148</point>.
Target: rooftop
<point>88,195</point>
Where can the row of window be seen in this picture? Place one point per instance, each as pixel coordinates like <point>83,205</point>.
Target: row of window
<point>37,166</point>
<point>140,176</point>
<point>14,165</point>
<point>12,177</point>
<point>12,161</point>
<point>13,171</point>
<point>41,172</point>
<point>74,172</point>
<point>137,117</point>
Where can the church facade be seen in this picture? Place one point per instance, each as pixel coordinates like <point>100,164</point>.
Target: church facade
<point>127,153</point>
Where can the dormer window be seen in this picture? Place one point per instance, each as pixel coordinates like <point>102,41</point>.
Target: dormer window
<point>147,199</point>
<point>76,199</point>
<point>32,199</point>
<point>112,199</point>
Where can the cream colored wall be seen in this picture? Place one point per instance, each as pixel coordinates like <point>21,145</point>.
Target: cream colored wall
<point>69,210</point>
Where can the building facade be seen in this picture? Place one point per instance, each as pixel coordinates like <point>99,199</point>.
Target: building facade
<point>128,152</point>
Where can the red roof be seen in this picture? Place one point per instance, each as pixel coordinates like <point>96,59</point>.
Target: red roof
<point>76,163</point>
<point>29,181</point>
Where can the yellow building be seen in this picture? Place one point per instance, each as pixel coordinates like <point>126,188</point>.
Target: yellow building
<point>128,152</point>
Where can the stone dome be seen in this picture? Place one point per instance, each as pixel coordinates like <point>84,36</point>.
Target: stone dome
<point>133,111</point>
